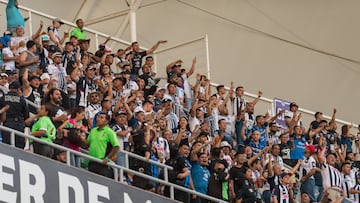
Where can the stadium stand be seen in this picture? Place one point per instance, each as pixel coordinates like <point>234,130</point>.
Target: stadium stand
<point>110,105</point>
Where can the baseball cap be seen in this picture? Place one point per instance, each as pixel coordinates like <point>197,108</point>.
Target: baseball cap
<point>57,54</point>
<point>91,67</point>
<point>5,40</point>
<point>311,148</point>
<point>3,75</point>
<point>225,144</point>
<point>10,72</point>
<point>283,174</point>
<point>45,38</point>
<point>160,88</point>
<point>167,98</point>
<point>58,20</point>
<point>139,109</point>
<point>121,112</point>
<point>293,104</point>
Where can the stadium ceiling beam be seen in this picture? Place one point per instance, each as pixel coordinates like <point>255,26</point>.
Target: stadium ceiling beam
<point>80,9</point>
<point>107,17</point>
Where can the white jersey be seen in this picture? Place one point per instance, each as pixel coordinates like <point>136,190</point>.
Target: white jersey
<point>306,166</point>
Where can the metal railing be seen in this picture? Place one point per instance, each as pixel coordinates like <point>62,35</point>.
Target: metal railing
<point>50,17</point>
<point>271,102</point>
<point>118,170</point>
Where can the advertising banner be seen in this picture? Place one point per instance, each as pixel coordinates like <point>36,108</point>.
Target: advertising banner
<point>279,105</point>
<point>26,177</point>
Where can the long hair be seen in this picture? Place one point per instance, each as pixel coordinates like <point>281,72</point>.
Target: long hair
<point>47,96</point>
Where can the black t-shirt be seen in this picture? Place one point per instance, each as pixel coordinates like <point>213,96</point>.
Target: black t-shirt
<point>150,86</point>
<point>141,151</point>
<point>18,107</point>
<point>56,111</point>
<point>237,175</point>
<point>136,62</point>
<point>178,163</point>
<point>314,125</point>
<point>247,191</point>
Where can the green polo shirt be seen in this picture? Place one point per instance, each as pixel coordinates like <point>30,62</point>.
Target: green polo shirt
<point>78,33</point>
<point>99,139</point>
<point>44,123</point>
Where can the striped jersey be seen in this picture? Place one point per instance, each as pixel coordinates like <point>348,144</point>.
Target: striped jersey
<point>348,184</point>
<point>331,176</point>
<point>282,194</point>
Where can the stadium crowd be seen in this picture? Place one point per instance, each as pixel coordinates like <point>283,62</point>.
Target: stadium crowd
<point>216,143</point>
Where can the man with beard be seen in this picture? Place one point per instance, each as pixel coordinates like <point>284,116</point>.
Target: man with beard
<point>57,113</point>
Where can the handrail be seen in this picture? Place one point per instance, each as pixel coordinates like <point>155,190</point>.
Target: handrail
<point>300,109</point>
<point>113,165</point>
<point>144,159</point>
<point>32,11</point>
<point>123,151</point>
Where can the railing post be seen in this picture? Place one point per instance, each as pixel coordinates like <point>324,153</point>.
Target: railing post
<point>116,174</point>
<point>96,40</point>
<point>12,138</point>
<point>207,56</point>
<point>166,174</point>
<point>172,192</point>
<point>30,23</point>
<point>126,159</point>
<point>68,162</point>
<point>121,175</point>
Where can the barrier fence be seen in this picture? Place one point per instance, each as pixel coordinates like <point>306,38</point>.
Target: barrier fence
<point>118,170</point>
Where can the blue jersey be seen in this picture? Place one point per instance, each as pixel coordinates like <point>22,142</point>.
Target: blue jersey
<point>200,176</point>
<point>262,130</point>
<point>13,16</point>
<point>299,146</point>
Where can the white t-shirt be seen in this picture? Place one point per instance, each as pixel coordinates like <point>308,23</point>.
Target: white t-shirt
<point>9,65</point>
<point>72,85</point>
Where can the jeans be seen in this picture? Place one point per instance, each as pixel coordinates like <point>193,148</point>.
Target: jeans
<point>120,159</point>
<point>266,196</point>
<point>308,187</point>
<point>319,193</point>
<point>75,160</point>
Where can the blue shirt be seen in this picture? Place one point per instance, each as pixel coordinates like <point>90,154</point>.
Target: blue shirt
<point>13,15</point>
<point>256,148</point>
<point>299,146</point>
<point>262,130</point>
<point>200,176</point>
